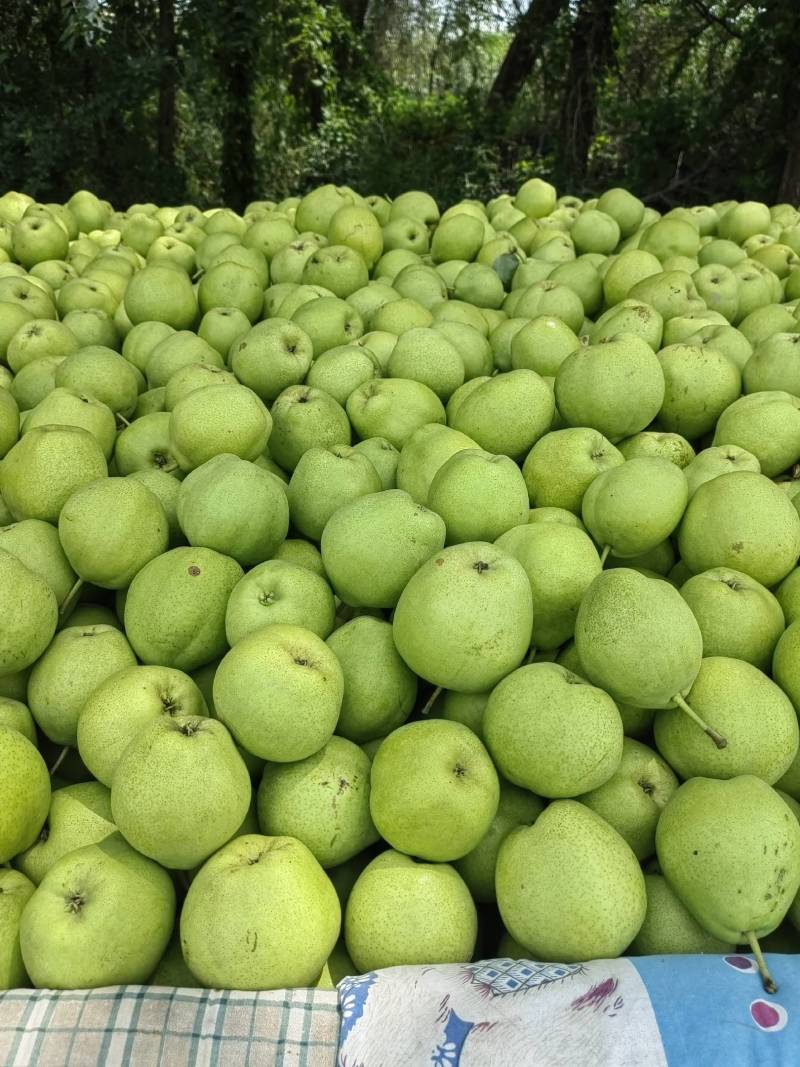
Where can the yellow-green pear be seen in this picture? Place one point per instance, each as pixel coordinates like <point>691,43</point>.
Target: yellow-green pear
<point>731,851</point>
<point>569,888</point>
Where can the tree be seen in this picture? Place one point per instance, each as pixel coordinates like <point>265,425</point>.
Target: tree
<point>168,84</point>
<point>591,53</point>
<point>526,46</point>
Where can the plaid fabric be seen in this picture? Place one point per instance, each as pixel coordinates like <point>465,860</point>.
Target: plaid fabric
<point>134,1025</point>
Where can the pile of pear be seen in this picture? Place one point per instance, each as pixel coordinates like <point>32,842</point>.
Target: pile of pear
<point>384,585</point>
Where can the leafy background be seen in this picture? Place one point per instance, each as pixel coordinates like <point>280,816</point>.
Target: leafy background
<point>215,101</point>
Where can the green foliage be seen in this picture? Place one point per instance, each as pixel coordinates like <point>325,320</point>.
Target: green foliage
<point>272,97</point>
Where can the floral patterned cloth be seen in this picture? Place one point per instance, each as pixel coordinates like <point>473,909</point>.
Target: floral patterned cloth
<point>688,1011</point>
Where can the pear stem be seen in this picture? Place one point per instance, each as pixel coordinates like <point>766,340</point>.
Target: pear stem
<point>61,757</point>
<point>767,980</point>
<point>604,555</point>
<point>121,418</point>
<point>70,600</point>
<point>531,655</point>
<point>431,700</point>
<point>169,468</point>
<point>718,739</point>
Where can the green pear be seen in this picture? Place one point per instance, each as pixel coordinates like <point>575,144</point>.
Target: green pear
<point>323,481</point>
<point>271,356</point>
<point>434,790</point>
<point>180,790</point>
<point>24,793</point>
<point>549,731</point>
<point>788,596</point>
<point>104,374</point>
<point>595,231</point>
<point>785,663</point>
<point>737,616</point>
<point>36,544</point>
<point>472,346</point>
<point>722,459</point>
<point>478,495</point>
<point>614,386</point>
<point>657,561</point>
<point>629,317</point>
<point>743,521</point>
<point>629,267</point>
<point>466,708</point>
<point>142,339</point>
<point>303,553</point>
<point>9,421</point>
<point>279,691</point>
<point>464,620</point>
<point>66,407</point>
<point>34,382</point>
<point>632,799</point>
<point>384,457</point>
<point>401,911</point>
<point>756,717</point>
<point>145,445</point>
<point>379,689</point>
<point>637,638</point>
<point>632,508</point>
<point>110,529</point>
<point>45,467</point>
<point>773,365</point>
<point>176,351</point>
<point>561,562</point>
<point>322,801</point>
<point>766,424</point>
<point>175,607</point>
<point>15,892</point>
<point>221,327</point>
<point>342,369</point>
<point>186,380</point>
<point>123,704</point>
<point>562,465</point>
<point>234,507</point>
<point>731,852</point>
<point>159,292</point>
<point>304,418</point>
<point>328,321</point>
<point>71,935</point>
<point>76,662</point>
<point>670,237</point>
<point>506,414</point>
<point>424,453</point>
<point>37,339</point>
<point>547,297</point>
<point>166,489</point>
<point>260,914</point>
<point>79,815</point>
<point>517,807</point>
<point>171,970</point>
<point>218,419</point>
<point>725,339</point>
<point>460,236</point>
<point>393,408</point>
<point>14,686</point>
<point>569,888</point>
<point>16,716</point>
<point>669,929</point>
<point>279,591</point>
<point>426,355</point>
<point>373,545</point>
<point>653,444</point>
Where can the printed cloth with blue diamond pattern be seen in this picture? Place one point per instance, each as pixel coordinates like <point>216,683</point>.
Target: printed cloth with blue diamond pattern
<point>657,1011</point>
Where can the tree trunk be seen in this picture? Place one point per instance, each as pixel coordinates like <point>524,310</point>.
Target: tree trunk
<point>167,86</point>
<point>789,191</point>
<point>591,52</point>
<point>525,48</point>
<point>236,63</point>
